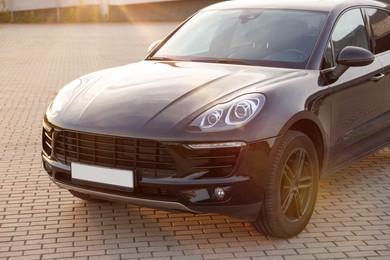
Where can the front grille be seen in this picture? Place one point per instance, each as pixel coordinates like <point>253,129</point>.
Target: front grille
<point>149,158</point>
<point>47,141</point>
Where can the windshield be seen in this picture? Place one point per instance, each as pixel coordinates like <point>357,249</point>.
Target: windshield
<point>266,37</point>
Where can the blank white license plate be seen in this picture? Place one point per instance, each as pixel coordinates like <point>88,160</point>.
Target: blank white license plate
<point>124,178</point>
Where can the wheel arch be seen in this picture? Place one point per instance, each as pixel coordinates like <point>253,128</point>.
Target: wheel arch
<point>310,129</point>
<point>310,126</point>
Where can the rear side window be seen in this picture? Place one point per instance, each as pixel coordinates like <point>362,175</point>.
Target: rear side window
<point>380,26</point>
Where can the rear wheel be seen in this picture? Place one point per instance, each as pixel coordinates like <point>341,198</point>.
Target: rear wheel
<point>292,187</point>
<point>82,196</point>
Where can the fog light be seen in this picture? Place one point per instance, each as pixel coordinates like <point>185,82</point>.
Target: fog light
<point>219,193</point>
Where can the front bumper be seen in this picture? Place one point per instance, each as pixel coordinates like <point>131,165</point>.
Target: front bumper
<point>243,186</point>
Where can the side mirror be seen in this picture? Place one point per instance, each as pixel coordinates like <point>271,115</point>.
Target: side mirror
<point>355,57</point>
<point>153,45</point>
<point>350,56</point>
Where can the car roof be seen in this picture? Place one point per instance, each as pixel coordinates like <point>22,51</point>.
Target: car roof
<point>315,5</point>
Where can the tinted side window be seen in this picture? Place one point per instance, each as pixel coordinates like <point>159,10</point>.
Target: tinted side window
<point>380,25</point>
<point>349,31</point>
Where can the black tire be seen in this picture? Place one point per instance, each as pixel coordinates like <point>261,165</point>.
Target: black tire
<point>82,196</point>
<point>292,187</point>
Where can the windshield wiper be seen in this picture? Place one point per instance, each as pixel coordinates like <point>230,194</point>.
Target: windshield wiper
<point>160,58</point>
<point>223,61</point>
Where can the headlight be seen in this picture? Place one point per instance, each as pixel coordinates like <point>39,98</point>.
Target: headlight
<point>229,115</point>
<point>63,97</point>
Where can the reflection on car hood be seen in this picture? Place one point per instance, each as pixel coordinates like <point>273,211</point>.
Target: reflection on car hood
<point>156,96</point>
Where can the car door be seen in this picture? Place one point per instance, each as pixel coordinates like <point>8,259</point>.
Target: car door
<point>379,20</point>
<point>357,96</point>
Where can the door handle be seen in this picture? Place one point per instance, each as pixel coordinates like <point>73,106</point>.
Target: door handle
<point>377,77</point>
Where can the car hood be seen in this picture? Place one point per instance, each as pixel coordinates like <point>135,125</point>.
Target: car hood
<point>156,96</point>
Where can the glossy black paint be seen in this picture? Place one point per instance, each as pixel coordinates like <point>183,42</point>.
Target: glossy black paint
<point>355,57</point>
<point>346,117</point>
<point>160,106</point>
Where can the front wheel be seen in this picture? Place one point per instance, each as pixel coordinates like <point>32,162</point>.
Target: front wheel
<point>292,186</point>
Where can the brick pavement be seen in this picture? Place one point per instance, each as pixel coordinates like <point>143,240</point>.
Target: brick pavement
<point>40,221</point>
